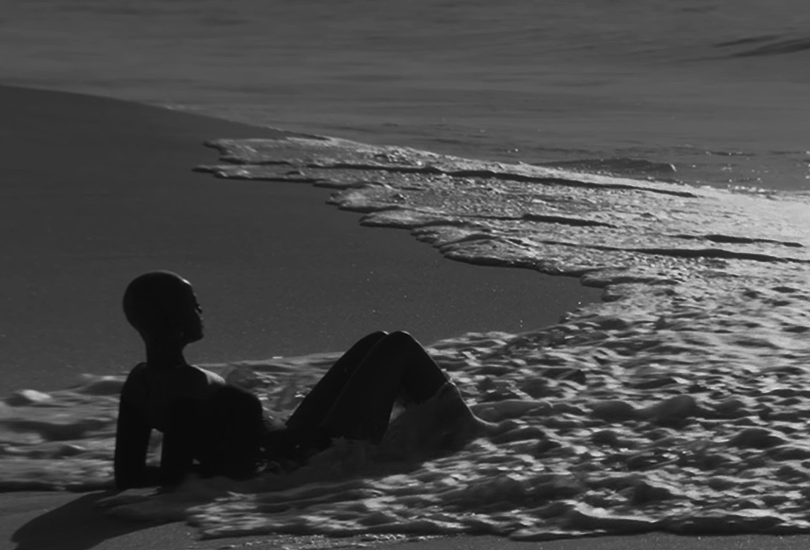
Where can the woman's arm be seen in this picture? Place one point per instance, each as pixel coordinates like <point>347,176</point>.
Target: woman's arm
<point>132,437</point>
<point>180,440</point>
<point>131,445</point>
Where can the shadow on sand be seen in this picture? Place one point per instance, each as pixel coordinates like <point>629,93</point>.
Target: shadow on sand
<point>76,525</point>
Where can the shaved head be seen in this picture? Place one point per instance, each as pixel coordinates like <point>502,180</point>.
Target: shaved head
<point>162,305</point>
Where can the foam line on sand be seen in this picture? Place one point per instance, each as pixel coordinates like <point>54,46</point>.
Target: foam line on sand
<point>96,190</point>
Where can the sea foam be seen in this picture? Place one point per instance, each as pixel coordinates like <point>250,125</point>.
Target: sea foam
<point>679,403</point>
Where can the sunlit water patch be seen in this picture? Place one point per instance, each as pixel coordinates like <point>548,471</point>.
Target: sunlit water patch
<point>679,403</point>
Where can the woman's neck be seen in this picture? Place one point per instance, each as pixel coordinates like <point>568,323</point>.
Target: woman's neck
<point>163,355</point>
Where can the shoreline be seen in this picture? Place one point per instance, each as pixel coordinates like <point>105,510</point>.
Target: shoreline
<point>38,518</point>
<point>99,190</point>
<point>160,148</point>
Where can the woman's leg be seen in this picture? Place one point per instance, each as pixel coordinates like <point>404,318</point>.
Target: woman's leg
<point>312,411</point>
<point>397,366</point>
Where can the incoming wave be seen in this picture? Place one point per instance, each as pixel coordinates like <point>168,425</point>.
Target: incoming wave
<point>679,403</point>
<point>622,167</point>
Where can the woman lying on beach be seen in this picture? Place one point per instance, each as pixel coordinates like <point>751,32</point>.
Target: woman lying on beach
<point>213,428</point>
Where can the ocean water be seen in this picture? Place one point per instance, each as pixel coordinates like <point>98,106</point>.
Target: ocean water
<point>655,150</point>
<point>678,403</point>
<point>702,91</point>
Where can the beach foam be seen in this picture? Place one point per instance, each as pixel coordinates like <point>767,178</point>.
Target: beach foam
<point>677,404</point>
<point>611,230</point>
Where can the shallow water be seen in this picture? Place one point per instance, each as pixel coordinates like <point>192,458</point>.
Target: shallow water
<point>715,89</point>
<point>677,404</point>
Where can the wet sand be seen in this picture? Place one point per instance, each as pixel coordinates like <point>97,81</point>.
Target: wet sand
<point>68,521</point>
<point>97,190</point>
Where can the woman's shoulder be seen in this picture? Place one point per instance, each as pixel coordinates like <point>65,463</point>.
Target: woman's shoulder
<point>148,384</point>
<point>204,376</point>
<point>136,385</point>
<point>193,382</point>
<point>182,381</point>
<point>138,369</point>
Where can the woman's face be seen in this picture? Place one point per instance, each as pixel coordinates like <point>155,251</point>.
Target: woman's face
<point>190,315</point>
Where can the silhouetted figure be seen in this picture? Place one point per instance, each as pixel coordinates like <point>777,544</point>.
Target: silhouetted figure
<point>217,429</point>
<point>202,418</point>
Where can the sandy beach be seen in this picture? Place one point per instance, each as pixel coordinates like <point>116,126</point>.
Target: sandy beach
<point>98,190</point>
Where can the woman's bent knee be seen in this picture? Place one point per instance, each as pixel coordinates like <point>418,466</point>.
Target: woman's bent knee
<point>400,337</point>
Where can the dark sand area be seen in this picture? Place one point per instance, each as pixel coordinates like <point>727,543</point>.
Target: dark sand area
<point>65,521</point>
<point>95,191</point>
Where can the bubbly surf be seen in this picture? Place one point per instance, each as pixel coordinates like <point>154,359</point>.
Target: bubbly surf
<point>675,404</point>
